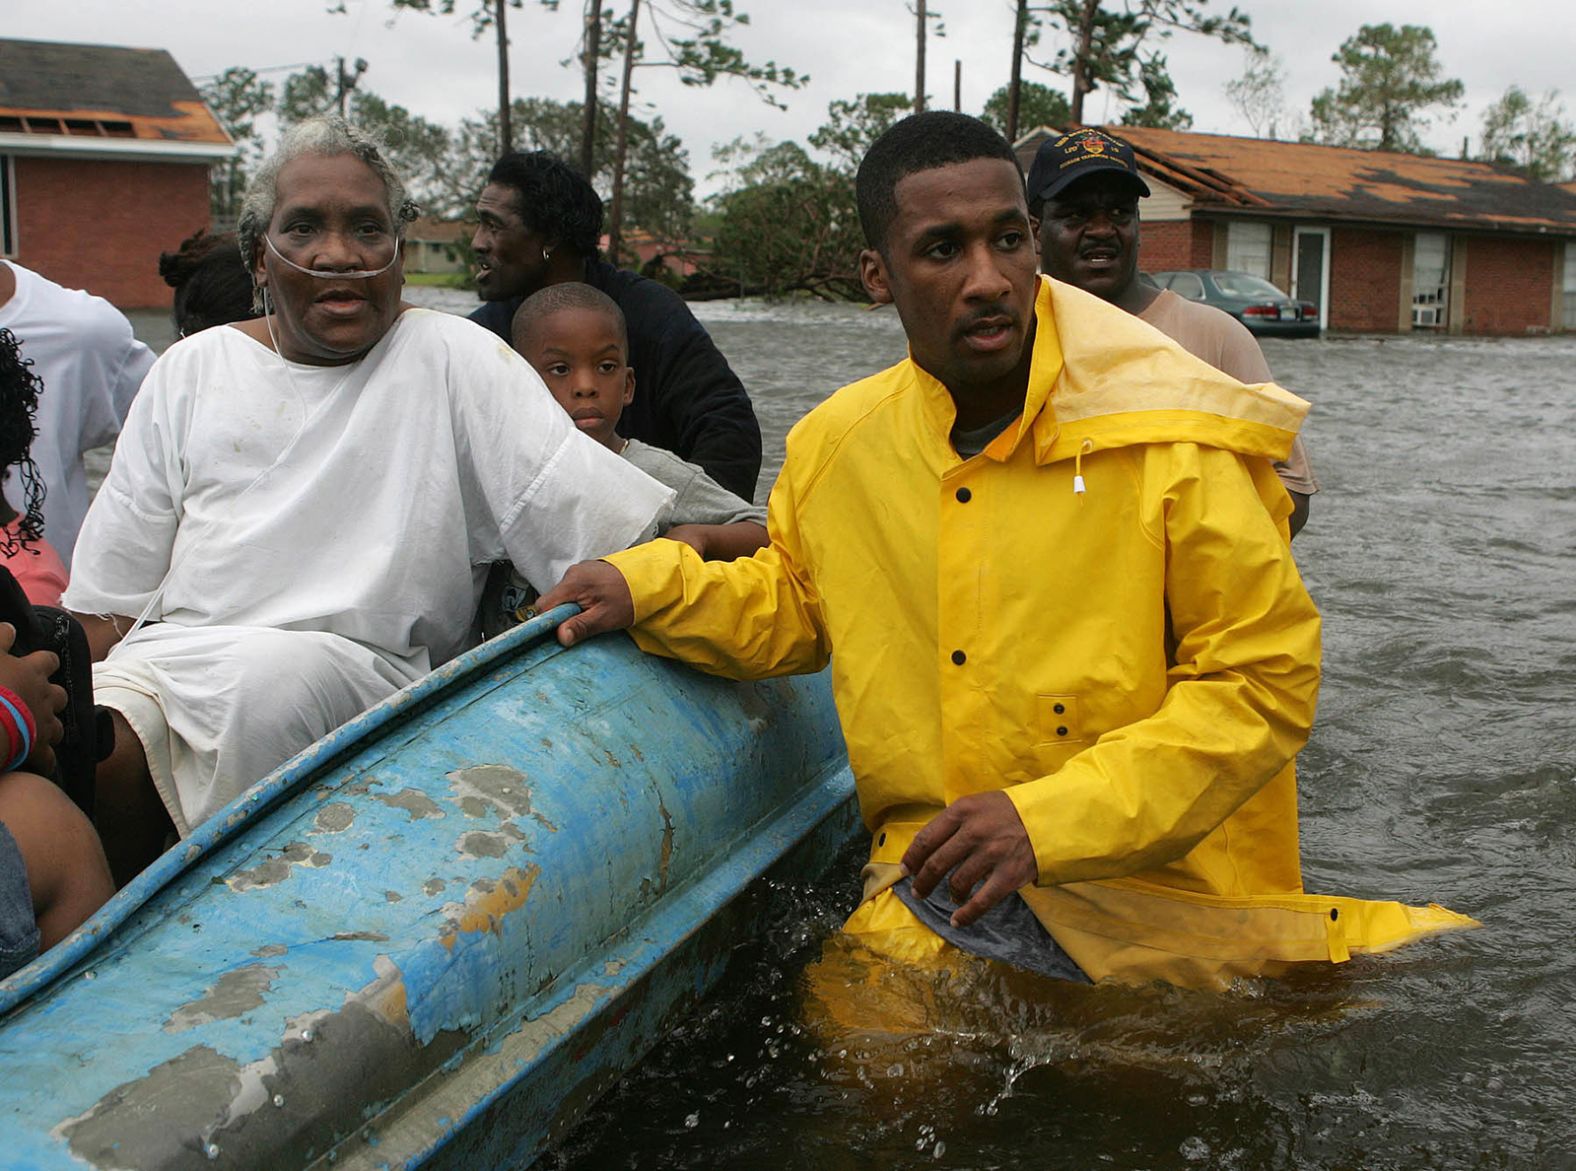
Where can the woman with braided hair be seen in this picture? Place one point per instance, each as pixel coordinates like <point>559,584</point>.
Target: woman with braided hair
<point>23,550</point>
<point>212,284</point>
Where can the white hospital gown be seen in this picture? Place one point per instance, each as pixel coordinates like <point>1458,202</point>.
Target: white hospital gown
<point>321,535</point>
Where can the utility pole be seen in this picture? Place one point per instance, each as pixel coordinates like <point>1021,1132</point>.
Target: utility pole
<point>919,68</point>
<point>505,131</point>
<point>1081,83</point>
<point>957,85</point>
<point>1015,86</point>
<point>347,81</point>
<point>588,109</point>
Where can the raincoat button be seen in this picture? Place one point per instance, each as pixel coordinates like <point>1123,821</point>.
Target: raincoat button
<point>959,658</point>
<point>1059,708</point>
<point>964,495</point>
<point>1061,731</point>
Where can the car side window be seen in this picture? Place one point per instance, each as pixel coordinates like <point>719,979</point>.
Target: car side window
<point>1187,284</point>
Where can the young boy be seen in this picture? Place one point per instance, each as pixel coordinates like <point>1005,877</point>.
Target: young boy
<point>574,336</point>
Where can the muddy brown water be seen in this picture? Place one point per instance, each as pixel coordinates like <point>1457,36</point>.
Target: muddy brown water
<point>1442,552</point>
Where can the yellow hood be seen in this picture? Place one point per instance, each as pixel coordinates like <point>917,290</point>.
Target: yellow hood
<point>1102,377</point>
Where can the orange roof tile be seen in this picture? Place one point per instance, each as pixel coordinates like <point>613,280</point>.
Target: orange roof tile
<point>85,92</point>
<point>1224,173</point>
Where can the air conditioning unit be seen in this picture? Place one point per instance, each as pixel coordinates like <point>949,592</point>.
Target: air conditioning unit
<point>1427,316</point>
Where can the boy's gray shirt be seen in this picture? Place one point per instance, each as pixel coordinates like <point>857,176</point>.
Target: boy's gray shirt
<point>699,500</point>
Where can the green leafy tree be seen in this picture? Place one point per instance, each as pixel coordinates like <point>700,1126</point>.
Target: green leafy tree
<point>1159,108</point>
<point>690,37</point>
<point>1259,94</point>
<point>853,125</point>
<point>418,149</point>
<point>1390,84</point>
<point>788,221</point>
<point>306,94</point>
<point>661,191</point>
<point>485,15</point>
<point>1531,135</point>
<point>1101,44</point>
<point>1038,105</point>
<point>783,225</point>
<point>237,97</point>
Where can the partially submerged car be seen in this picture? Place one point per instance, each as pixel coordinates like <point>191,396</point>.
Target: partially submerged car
<point>1252,300</point>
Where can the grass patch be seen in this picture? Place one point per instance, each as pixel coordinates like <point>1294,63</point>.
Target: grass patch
<point>440,280</point>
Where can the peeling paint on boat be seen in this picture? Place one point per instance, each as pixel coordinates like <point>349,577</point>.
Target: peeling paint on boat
<point>335,818</point>
<point>236,992</point>
<point>414,802</point>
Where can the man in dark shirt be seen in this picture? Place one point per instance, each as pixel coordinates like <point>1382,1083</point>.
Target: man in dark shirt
<point>539,224</point>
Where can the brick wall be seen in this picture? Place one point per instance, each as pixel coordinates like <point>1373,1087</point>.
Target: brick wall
<point>1172,244</point>
<point>1365,279</point>
<point>1203,245</point>
<point>1507,285</point>
<point>100,225</point>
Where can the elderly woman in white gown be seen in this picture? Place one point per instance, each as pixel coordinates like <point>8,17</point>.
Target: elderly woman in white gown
<point>302,506</point>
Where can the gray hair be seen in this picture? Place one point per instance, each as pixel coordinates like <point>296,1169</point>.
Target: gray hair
<point>328,135</point>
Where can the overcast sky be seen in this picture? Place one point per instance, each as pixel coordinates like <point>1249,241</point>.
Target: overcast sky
<point>433,66</point>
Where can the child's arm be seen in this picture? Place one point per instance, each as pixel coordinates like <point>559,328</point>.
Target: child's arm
<point>726,542</point>
<point>707,517</point>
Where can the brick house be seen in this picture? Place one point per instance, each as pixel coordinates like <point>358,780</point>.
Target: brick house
<point>433,245</point>
<point>104,157</point>
<point>1383,242</point>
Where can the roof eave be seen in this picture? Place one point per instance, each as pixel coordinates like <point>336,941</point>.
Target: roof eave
<point>1358,219</point>
<point>72,147</point>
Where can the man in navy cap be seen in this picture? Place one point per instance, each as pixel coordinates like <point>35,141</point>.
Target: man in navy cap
<point>1084,189</point>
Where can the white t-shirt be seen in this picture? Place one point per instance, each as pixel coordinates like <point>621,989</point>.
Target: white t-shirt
<point>321,535</point>
<point>83,349</point>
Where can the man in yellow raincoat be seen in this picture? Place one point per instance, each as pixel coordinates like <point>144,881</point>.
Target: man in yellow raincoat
<point>1046,556</point>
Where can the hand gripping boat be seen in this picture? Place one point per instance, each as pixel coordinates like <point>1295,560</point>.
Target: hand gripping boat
<point>437,934</point>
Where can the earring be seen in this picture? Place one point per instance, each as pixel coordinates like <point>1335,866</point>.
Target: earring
<point>547,253</point>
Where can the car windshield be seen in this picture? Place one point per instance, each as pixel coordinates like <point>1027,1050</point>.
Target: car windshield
<point>1240,284</point>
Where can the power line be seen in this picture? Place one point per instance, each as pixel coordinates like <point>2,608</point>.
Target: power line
<point>265,69</point>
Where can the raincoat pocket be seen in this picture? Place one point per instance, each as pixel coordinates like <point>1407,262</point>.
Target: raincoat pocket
<point>1057,719</point>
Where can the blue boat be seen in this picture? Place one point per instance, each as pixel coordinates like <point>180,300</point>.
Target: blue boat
<point>438,934</point>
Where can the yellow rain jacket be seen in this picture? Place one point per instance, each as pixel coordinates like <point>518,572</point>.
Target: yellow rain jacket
<point>1099,614</point>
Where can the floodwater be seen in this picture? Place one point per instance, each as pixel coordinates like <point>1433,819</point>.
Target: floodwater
<point>1442,552</point>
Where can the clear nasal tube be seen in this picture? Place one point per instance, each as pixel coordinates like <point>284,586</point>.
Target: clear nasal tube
<point>328,274</point>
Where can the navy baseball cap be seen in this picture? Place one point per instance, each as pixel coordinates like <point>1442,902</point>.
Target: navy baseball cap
<point>1064,160</point>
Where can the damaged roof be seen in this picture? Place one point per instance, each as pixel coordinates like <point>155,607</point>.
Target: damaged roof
<point>1309,180</point>
<point>63,91</point>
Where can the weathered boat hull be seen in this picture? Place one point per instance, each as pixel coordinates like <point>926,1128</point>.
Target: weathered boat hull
<point>435,936</point>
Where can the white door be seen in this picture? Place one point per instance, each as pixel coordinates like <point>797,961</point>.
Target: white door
<point>1310,269</point>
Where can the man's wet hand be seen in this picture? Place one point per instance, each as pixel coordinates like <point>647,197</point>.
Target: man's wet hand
<point>602,595</point>
<point>28,677</point>
<point>980,839</point>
